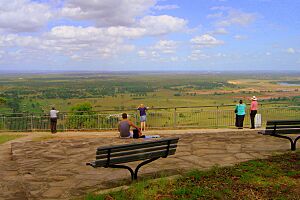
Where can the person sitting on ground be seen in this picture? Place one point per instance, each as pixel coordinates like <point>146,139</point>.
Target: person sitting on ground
<point>124,127</point>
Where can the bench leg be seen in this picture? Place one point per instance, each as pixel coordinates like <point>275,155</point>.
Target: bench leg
<point>142,164</point>
<point>124,167</point>
<point>135,172</point>
<point>293,143</point>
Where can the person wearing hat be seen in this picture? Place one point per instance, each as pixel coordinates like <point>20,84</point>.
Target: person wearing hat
<point>253,110</point>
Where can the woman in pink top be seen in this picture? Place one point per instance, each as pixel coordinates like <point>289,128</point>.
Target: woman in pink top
<point>253,110</point>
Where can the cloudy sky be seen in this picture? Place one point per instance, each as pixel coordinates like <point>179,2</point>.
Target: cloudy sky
<point>122,35</point>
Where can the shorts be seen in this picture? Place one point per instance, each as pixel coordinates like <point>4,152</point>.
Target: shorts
<point>130,136</point>
<point>143,118</point>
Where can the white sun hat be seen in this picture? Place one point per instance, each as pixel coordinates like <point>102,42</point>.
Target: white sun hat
<point>254,98</point>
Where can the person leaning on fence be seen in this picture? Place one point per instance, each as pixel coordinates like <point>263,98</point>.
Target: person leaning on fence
<point>53,119</point>
<point>143,117</point>
<point>124,127</point>
<point>240,111</point>
<point>253,111</point>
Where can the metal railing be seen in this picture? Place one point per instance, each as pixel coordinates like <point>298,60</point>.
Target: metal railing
<point>168,118</point>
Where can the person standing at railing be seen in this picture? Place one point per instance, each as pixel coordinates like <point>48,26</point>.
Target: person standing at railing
<point>253,111</point>
<point>53,119</point>
<point>240,110</point>
<point>143,117</point>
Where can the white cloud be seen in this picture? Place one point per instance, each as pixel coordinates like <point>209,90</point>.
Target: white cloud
<point>290,50</point>
<point>163,24</point>
<point>219,31</point>
<point>174,59</point>
<point>235,17</point>
<point>142,53</point>
<point>23,15</point>
<point>268,53</point>
<point>107,12</point>
<point>166,46</point>
<point>166,7</point>
<point>205,40</point>
<point>197,55</point>
<point>215,15</point>
<point>240,37</point>
<point>220,8</point>
<point>228,16</point>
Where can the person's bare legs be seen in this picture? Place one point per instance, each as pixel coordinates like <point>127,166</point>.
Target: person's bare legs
<point>143,126</point>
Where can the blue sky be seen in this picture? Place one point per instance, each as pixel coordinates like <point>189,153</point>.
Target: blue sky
<point>147,35</point>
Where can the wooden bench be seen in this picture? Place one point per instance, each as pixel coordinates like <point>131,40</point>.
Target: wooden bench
<point>148,151</point>
<point>278,127</point>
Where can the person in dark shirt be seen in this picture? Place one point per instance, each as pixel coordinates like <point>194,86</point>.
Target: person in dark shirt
<point>143,117</point>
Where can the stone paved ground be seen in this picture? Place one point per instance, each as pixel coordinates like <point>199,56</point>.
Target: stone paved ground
<point>55,168</point>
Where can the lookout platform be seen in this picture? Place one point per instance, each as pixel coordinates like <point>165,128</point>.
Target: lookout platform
<point>45,166</point>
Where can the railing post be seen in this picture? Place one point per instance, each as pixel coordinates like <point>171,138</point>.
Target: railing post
<point>63,122</point>
<point>4,123</point>
<point>31,123</point>
<point>175,118</point>
<point>217,117</point>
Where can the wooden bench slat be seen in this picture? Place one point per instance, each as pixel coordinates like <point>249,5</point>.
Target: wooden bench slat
<point>148,144</point>
<point>126,159</point>
<point>282,131</point>
<point>284,127</point>
<point>283,122</point>
<point>131,152</point>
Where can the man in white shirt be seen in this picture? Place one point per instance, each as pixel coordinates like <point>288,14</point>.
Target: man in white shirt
<point>53,119</point>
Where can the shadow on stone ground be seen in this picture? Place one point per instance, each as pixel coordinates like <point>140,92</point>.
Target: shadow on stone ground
<point>55,169</point>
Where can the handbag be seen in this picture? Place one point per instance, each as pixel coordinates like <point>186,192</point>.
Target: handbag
<point>135,133</point>
<point>236,110</point>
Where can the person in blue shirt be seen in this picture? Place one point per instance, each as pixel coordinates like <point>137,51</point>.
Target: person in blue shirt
<point>240,111</point>
<point>143,118</point>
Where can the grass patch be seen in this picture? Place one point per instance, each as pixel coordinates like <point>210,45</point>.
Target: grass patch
<point>5,138</point>
<point>275,178</point>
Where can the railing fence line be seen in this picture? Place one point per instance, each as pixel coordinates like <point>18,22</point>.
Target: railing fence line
<point>179,117</point>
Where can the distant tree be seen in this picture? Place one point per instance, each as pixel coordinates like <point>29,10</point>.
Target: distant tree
<point>2,100</point>
<point>83,108</point>
<point>14,104</point>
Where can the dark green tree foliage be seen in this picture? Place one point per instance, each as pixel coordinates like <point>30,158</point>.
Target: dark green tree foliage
<point>83,108</point>
<point>2,100</point>
<point>82,117</point>
<point>14,104</point>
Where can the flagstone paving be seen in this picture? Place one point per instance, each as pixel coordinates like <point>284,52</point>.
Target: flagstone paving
<point>55,168</point>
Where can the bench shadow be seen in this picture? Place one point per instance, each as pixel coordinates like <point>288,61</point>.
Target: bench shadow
<point>141,177</point>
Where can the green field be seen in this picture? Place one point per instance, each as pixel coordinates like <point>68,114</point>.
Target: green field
<point>38,93</point>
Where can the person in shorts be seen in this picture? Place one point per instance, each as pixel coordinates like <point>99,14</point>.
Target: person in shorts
<point>124,127</point>
<point>143,117</point>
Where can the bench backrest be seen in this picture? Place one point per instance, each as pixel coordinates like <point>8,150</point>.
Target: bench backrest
<point>283,126</point>
<point>135,151</point>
